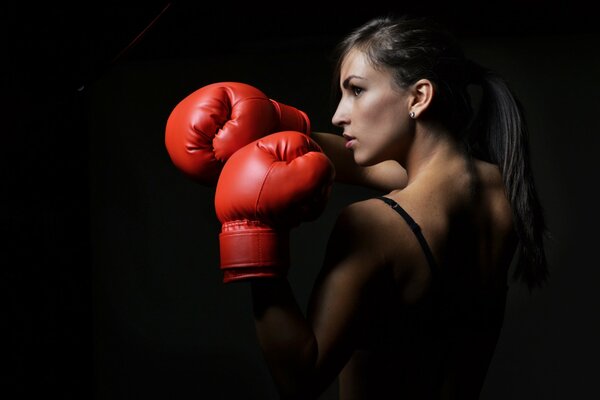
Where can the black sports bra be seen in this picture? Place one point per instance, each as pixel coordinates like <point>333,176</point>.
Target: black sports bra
<point>416,230</point>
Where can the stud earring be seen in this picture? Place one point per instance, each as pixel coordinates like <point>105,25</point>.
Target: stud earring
<point>411,114</point>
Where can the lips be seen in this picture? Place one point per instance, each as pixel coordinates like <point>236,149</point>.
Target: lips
<point>350,140</point>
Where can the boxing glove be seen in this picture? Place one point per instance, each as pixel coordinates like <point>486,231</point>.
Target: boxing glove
<point>209,125</point>
<point>266,188</point>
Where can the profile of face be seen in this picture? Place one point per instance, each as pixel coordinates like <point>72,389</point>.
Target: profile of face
<point>373,111</point>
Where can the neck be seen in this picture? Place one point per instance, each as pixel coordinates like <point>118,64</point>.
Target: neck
<point>432,147</point>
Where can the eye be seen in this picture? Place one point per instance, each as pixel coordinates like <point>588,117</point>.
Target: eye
<point>356,90</point>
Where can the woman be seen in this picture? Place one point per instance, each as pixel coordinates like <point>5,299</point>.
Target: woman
<point>410,299</point>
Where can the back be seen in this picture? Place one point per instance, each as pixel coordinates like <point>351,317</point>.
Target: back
<point>437,320</point>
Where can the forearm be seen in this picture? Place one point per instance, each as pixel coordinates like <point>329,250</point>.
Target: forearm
<point>286,338</point>
<point>385,176</point>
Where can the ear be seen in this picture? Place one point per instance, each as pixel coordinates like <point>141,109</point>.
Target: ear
<point>421,96</point>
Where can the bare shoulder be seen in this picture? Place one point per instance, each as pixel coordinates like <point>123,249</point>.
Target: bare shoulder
<point>356,241</point>
<point>359,225</point>
<point>370,237</point>
<point>364,215</point>
<point>369,222</point>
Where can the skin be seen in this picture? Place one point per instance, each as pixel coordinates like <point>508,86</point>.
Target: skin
<point>384,176</point>
<point>375,283</point>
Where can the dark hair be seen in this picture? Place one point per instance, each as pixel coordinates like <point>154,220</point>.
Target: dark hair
<point>420,48</point>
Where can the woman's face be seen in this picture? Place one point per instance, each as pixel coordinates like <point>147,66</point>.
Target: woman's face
<point>373,111</point>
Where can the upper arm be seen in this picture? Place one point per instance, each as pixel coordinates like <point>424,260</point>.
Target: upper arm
<point>354,257</point>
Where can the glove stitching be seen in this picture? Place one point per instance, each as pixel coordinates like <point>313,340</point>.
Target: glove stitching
<point>262,186</point>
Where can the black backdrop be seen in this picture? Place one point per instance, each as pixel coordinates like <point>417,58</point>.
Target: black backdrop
<point>110,274</point>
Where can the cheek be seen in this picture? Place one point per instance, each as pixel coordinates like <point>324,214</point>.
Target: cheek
<point>384,125</point>
<point>386,108</point>
<point>373,114</point>
<point>388,120</point>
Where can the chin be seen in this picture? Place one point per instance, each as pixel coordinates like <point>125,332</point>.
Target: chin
<point>359,161</point>
<point>365,164</point>
<point>365,161</point>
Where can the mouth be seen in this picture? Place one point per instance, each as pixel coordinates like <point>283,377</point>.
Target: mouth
<point>350,140</point>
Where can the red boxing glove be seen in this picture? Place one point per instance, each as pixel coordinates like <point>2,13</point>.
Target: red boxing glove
<point>265,189</point>
<point>212,123</point>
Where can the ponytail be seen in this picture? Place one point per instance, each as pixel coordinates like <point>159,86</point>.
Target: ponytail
<point>502,138</point>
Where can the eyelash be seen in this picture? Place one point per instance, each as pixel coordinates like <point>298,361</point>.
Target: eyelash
<point>356,90</point>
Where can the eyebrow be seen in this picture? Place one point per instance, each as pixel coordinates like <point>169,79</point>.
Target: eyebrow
<point>347,80</point>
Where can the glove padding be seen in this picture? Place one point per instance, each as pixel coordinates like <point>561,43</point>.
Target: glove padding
<point>266,188</point>
<point>212,123</point>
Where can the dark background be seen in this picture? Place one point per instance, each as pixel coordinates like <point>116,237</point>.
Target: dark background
<point>110,256</point>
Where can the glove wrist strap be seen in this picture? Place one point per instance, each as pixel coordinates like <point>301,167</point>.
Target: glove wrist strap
<point>250,249</point>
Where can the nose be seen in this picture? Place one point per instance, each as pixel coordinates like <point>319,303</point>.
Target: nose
<point>340,117</point>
